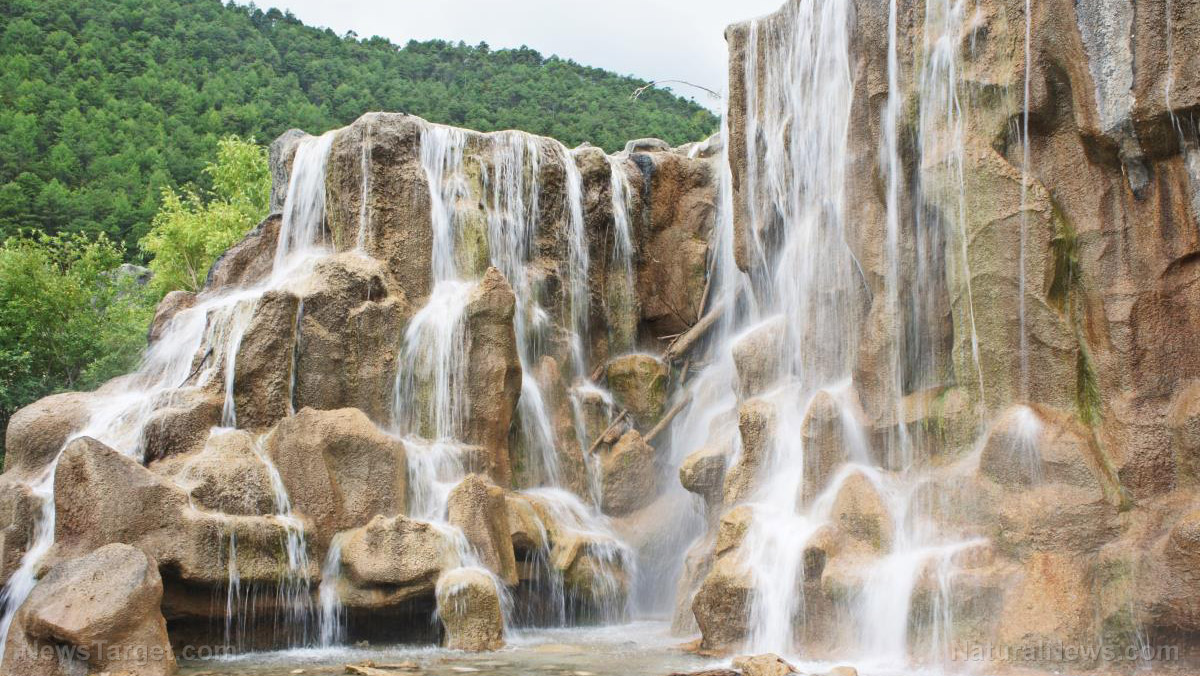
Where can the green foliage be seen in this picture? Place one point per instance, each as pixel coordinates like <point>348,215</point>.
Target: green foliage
<point>105,103</point>
<point>190,232</point>
<point>70,318</point>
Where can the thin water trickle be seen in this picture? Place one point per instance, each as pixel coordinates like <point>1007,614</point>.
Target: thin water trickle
<point>1024,331</point>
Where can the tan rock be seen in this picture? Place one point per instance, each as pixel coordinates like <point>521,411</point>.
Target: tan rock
<point>629,475</point>
<point>398,556</point>
<point>756,424</point>
<point>171,305</point>
<point>479,508</point>
<point>756,355</point>
<point>19,507</point>
<point>722,605</point>
<point>262,387</point>
<point>227,476</point>
<point>732,529</point>
<point>493,371</point>
<point>703,473</point>
<point>768,664</point>
<point>639,385</point>
<point>37,432</point>
<point>351,325</point>
<point>181,423</point>
<point>105,603</point>
<point>469,608</point>
<point>339,469</point>
<point>860,513</point>
<point>248,261</point>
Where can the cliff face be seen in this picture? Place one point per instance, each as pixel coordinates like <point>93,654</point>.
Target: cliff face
<point>920,337</point>
<point>1005,225</point>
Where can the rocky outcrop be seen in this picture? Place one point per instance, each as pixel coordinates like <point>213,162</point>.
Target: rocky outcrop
<point>392,561</point>
<point>479,509</point>
<point>98,612</point>
<point>628,475</point>
<point>38,432</point>
<point>469,608</point>
<point>493,372</point>
<point>339,470</point>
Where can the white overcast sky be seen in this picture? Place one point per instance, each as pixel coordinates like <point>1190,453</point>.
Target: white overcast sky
<point>650,39</point>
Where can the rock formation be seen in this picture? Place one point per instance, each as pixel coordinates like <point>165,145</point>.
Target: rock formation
<point>903,363</point>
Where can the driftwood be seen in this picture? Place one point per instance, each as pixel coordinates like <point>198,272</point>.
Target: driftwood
<point>690,337</point>
<point>666,419</point>
<point>611,426</point>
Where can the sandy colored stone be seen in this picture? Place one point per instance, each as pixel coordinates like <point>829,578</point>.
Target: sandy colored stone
<point>469,608</point>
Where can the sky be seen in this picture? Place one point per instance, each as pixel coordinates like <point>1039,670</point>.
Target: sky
<point>650,39</point>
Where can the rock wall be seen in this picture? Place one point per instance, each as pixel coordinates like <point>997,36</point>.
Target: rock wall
<point>1023,352</point>
<point>921,341</point>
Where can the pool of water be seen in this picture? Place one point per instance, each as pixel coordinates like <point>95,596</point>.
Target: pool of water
<point>622,650</point>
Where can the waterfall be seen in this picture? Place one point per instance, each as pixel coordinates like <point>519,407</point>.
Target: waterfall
<point>333,616</point>
<point>578,298</point>
<point>621,292</point>
<point>941,142</point>
<point>218,322</point>
<point>1024,330</point>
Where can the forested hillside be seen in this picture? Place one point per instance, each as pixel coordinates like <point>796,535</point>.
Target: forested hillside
<point>104,103</point>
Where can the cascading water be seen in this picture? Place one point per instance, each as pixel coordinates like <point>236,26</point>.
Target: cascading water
<point>213,327</point>
<point>811,291</point>
<point>430,393</point>
<point>941,143</point>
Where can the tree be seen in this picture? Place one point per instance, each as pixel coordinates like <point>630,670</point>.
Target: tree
<point>70,316</point>
<point>191,231</point>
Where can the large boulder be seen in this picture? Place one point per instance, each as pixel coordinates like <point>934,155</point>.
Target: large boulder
<point>767,664</point>
<point>678,210</point>
<point>181,422</point>
<point>103,606</point>
<point>391,561</point>
<point>103,497</point>
<point>628,475</point>
<point>227,476</point>
<point>757,355</point>
<point>493,371</point>
<point>468,604</point>
<point>19,509</point>
<point>722,604</point>
<point>250,260</point>
<point>37,432</point>
<point>861,514</point>
<point>479,509</point>
<point>262,378</point>
<point>339,469</point>
<point>168,308</point>
<point>350,327</point>
<point>703,473</point>
<point>639,385</point>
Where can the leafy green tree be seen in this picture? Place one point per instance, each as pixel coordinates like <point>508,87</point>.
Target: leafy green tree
<point>70,316</point>
<point>190,232</point>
